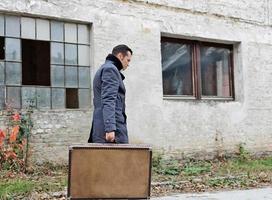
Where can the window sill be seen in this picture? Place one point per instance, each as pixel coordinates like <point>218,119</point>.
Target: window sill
<point>218,98</point>
<point>178,97</point>
<point>181,97</point>
<point>60,110</point>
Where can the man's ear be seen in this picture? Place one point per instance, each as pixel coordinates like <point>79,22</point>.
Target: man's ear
<point>120,56</point>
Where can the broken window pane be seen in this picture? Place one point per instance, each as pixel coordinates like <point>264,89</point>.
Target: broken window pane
<point>83,55</point>
<point>57,76</point>
<point>56,31</point>
<point>84,34</point>
<point>71,98</point>
<point>2,48</point>
<point>14,97</point>
<point>58,98</point>
<point>28,27</point>
<point>176,68</point>
<point>13,26</point>
<point>42,29</point>
<point>71,77</point>
<point>70,33</point>
<point>43,97</point>
<point>84,98</point>
<point>84,77</point>
<point>2,73</point>
<point>2,97</point>
<point>57,53</point>
<point>70,54</point>
<point>36,62</point>
<point>13,73</point>
<point>2,25</point>
<point>13,49</point>
<point>28,97</point>
<point>215,66</point>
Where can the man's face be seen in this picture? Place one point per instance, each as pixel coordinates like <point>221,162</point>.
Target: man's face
<point>125,59</point>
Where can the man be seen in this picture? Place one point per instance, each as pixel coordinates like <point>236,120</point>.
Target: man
<point>109,119</point>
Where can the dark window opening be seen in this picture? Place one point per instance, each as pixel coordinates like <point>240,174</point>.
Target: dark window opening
<point>2,48</point>
<point>35,62</point>
<point>71,98</point>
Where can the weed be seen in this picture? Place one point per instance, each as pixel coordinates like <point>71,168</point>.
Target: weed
<point>156,160</point>
<point>196,168</point>
<point>243,154</point>
<point>171,167</point>
<point>236,166</point>
<point>10,188</point>
<point>165,166</point>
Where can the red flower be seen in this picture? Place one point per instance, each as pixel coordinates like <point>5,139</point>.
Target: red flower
<point>14,133</point>
<point>2,134</point>
<point>11,154</point>
<point>16,117</point>
<point>2,137</point>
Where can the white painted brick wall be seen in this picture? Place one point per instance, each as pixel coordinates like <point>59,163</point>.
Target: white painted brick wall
<point>183,127</point>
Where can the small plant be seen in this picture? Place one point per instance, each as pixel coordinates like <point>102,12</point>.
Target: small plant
<point>228,182</point>
<point>171,167</point>
<point>165,166</point>
<point>243,154</point>
<point>156,160</point>
<point>14,140</point>
<point>196,168</point>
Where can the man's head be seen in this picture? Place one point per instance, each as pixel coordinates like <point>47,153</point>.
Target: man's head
<point>123,53</point>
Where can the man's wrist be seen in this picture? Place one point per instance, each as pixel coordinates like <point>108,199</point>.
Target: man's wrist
<point>110,131</point>
<point>110,127</point>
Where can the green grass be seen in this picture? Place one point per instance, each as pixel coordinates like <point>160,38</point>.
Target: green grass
<point>192,169</point>
<point>239,172</point>
<point>16,186</point>
<point>174,167</point>
<point>249,166</point>
<point>46,178</point>
<point>229,181</point>
<point>9,189</point>
<point>53,185</point>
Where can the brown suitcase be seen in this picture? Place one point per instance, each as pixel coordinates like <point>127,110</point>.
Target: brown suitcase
<point>109,171</point>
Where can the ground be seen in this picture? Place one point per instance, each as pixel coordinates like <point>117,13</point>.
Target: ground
<point>169,176</point>
<point>173,176</point>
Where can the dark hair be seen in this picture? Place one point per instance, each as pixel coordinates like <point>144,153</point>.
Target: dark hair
<point>122,48</point>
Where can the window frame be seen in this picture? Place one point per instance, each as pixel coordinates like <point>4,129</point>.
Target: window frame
<point>196,70</point>
<point>86,42</point>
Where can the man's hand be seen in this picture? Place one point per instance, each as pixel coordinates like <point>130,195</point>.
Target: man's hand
<point>110,136</point>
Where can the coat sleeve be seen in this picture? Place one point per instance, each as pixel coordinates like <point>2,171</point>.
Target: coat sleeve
<point>109,91</point>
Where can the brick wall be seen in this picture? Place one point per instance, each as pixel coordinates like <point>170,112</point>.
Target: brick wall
<point>177,126</point>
